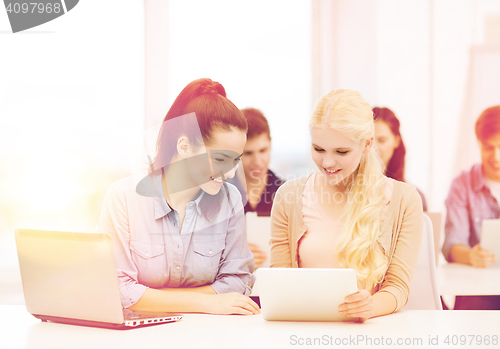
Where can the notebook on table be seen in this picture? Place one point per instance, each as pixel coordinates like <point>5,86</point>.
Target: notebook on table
<point>258,229</point>
<point>490,237</point>
<point>259,232</point>
<point>304,294</point>
<point>71,278</point>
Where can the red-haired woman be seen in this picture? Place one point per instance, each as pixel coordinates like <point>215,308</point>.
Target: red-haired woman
<point>390,146</point>
<point>178,233</point>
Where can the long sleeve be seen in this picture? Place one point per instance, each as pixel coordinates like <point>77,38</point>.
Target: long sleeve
<point>281,256</point>
<point>236,264</point>
<point>114,222</point>
<point>457,225</point>
<point>398,277</point>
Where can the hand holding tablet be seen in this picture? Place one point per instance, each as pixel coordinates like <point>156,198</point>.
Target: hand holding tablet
<point>483,254</point>
<point>359,304</point>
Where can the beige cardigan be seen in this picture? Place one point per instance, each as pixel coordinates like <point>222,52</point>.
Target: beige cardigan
<point>400,238</point>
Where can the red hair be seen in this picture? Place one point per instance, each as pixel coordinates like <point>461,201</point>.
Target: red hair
<point>396,166</point>
<point>207,99</point>
<point>257,123</point>
<point>488,123</point>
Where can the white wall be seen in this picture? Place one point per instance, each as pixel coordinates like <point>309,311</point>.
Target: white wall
<point>403,79</point>
<point>71,103</point>
<point>413,57</point>
<point>459,28</point>
<point>260,53</point>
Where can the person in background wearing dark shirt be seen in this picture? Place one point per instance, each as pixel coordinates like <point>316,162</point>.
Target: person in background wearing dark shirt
<point>261,182</point>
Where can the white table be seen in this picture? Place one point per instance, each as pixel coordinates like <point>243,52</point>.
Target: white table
<point>18,329</point>
<point>455,279</point>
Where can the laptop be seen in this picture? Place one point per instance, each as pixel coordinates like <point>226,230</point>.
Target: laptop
<point>305,294</point>
<point>490,237</point>
<point>71,278</point>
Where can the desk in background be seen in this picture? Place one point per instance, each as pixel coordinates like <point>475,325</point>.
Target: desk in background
<point>20,330</point>
<point>455,279</point>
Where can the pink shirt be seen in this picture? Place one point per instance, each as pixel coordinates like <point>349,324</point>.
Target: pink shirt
<point>469,202</point>
<point>318,246</point>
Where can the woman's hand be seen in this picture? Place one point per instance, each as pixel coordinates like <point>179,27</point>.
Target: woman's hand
<point>230,303</point>
<point>258,255</point>
<point>359,304</point>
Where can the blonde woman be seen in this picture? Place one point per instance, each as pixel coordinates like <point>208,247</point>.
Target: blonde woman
<point>348,214</point>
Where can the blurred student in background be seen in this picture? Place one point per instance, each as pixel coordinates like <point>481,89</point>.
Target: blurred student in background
<point>261,182</point>
<point>390,146</point>
<point>348,214</point>
<point>475,195</point>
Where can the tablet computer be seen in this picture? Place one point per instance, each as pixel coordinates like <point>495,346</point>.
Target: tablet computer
<point>490,237</point>
<point>305,294</point>
<point>259,233</point>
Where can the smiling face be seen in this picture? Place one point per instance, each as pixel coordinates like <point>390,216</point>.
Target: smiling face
<point>210,165</point>
<point>335,155</point>
<point>256,157</point>
<point>490,157</point>
<point>385,141</point>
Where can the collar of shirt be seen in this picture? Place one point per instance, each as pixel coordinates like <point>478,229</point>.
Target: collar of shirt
<point>266,199</point>
<point>273,182</point>
<point>478,180</point>
<point>162,208</point>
